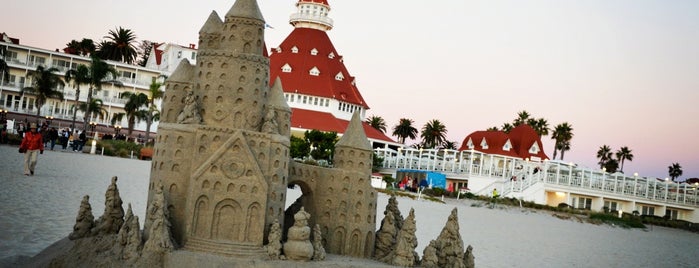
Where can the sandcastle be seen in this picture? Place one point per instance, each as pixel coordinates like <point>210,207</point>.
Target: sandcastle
<point>221,168</point>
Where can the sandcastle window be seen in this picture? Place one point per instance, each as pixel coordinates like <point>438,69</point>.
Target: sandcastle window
<point>331,55</point>
<point>534,149</point>
<point>314,71</point>
<point>314,52</point>
<point>294,50</point>
<point>339,76</point>
<point>484,144</point>
<point>286,68</point>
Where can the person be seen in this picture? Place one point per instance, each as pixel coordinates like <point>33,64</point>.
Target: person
<point>32,145</point>
<point>76,140</point>
<point>83,139</point>
<point>53,135</point>
<point>64,138</point>
<point>495,193</point>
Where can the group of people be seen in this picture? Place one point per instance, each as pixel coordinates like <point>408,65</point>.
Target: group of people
<point>35,140</point>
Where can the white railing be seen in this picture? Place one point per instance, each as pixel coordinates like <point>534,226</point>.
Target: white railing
<point>520,174</point>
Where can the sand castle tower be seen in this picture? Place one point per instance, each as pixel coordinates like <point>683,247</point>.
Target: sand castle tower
<point>222,147</point>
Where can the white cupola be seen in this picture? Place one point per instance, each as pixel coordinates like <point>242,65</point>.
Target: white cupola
<point>312,14</point>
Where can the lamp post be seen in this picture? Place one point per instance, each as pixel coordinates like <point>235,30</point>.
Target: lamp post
<point>92,126</point>
<point>117,129</point>
<point>3,115</point>
<point>48,120</point>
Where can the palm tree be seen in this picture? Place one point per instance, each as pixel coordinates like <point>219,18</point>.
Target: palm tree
<point>153,113</point>
<point>404,130</point>
<point>506,127</point>
<point>4,69</point>
<point>492,129</point>
<point>522,118</point>
<point>44,84</point>
<point>78,76</point>
<point>100,73</point>
<point>565,146</point>
<point>433,134</point>
<point>604,154</point>
<point>451,145</point>
<point>119,46</point>
<point>541,126</point>
<point>377,122</point>
<point>624,154</point>
<point>562,134</point>
<point>674,170</point>
<point>94,106</point>
<point>84,47</point>
<point>132,108</point>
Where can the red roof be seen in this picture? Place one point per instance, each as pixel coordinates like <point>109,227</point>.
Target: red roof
<point>158,53</point>
<point>327,61</point>
<point>308,119</point>
<point>324,2</point>
<point>521,139</point>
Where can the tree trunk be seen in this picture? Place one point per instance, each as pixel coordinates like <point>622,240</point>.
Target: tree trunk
<point>75,109</point>
<point>86,117</point>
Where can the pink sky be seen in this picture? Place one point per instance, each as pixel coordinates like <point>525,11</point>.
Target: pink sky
<point>623,73</point>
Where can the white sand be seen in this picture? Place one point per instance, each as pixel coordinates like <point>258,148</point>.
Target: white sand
<point>37,211</point>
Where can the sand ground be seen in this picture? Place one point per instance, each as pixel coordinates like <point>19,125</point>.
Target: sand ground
<point>39,210</point>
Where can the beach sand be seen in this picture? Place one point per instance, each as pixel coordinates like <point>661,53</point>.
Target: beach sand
<point>37,211</point>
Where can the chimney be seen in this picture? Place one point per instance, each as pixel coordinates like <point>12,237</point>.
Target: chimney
<point>192,46</point>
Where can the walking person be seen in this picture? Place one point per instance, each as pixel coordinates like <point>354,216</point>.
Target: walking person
<point>32,145</point>
<point>53,135</point>
<point>82,139</point>
<point>64,138</point>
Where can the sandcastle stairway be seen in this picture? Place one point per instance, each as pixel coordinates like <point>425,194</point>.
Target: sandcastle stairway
<point>225,249</point>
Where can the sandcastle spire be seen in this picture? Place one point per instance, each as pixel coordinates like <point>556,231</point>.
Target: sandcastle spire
<point>245,9</point>
<point>213,24</point>
<point>354,136</point>
<point>276,98</point>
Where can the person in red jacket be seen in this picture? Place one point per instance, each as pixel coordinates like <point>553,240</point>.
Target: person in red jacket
<point>32,145</point>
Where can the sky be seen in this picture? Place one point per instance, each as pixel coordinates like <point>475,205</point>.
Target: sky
<point>621,72</point>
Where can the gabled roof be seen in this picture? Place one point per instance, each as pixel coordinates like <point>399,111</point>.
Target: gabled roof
<point>300,81</point>
<point>308,119</point>
<point>494,139</point>
<point>521,137</point>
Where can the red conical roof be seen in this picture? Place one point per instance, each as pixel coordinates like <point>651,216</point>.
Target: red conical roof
<point>326,60</point>
<point>324,2</point>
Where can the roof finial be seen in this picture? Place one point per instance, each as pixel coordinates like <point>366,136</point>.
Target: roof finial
<point>312,14</point>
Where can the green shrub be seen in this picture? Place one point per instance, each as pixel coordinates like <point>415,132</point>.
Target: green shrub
<point>119,148</point>
<point>626,222</point>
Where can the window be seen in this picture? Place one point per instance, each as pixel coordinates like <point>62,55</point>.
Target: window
<point>292,98</point>
<point>314,71</point>
<point>507,146</point>
<point>194,55</point>
<point>671,213</point>
<point>646,210</point>
<point>127,74</point>
<point>10,55</point>
<point>305,98</point>
<point>339,76</point>
<point>286,68</point>
<point>315,101</point>
<point>584,203</point>
<point>470,144</point>
<point>534,149</point>
<point>331,55</point>
<point>484,144</point>
<point>61,64</point>
<point>314,52</point>
<point>327,102</point>
<point>612,205</point>
<point>295,50</point>
<point>179,54</point>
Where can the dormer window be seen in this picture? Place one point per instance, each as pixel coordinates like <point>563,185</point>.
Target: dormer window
<point>534,149</point>
<point>331,55</point>
<point>470,144</point>
<point>279,49</point>
<point>507,146</point>
<point>339,77</point>
<point>314,52</point>
<point>286,68</point>
<point>484,144</point>
<point>295,50</point>
<point>314,71</point>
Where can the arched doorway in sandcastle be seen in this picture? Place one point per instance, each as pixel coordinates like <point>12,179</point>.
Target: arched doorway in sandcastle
<point>299,194</point>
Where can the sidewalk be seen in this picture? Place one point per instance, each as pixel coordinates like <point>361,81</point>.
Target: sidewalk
<point>36,211</point>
